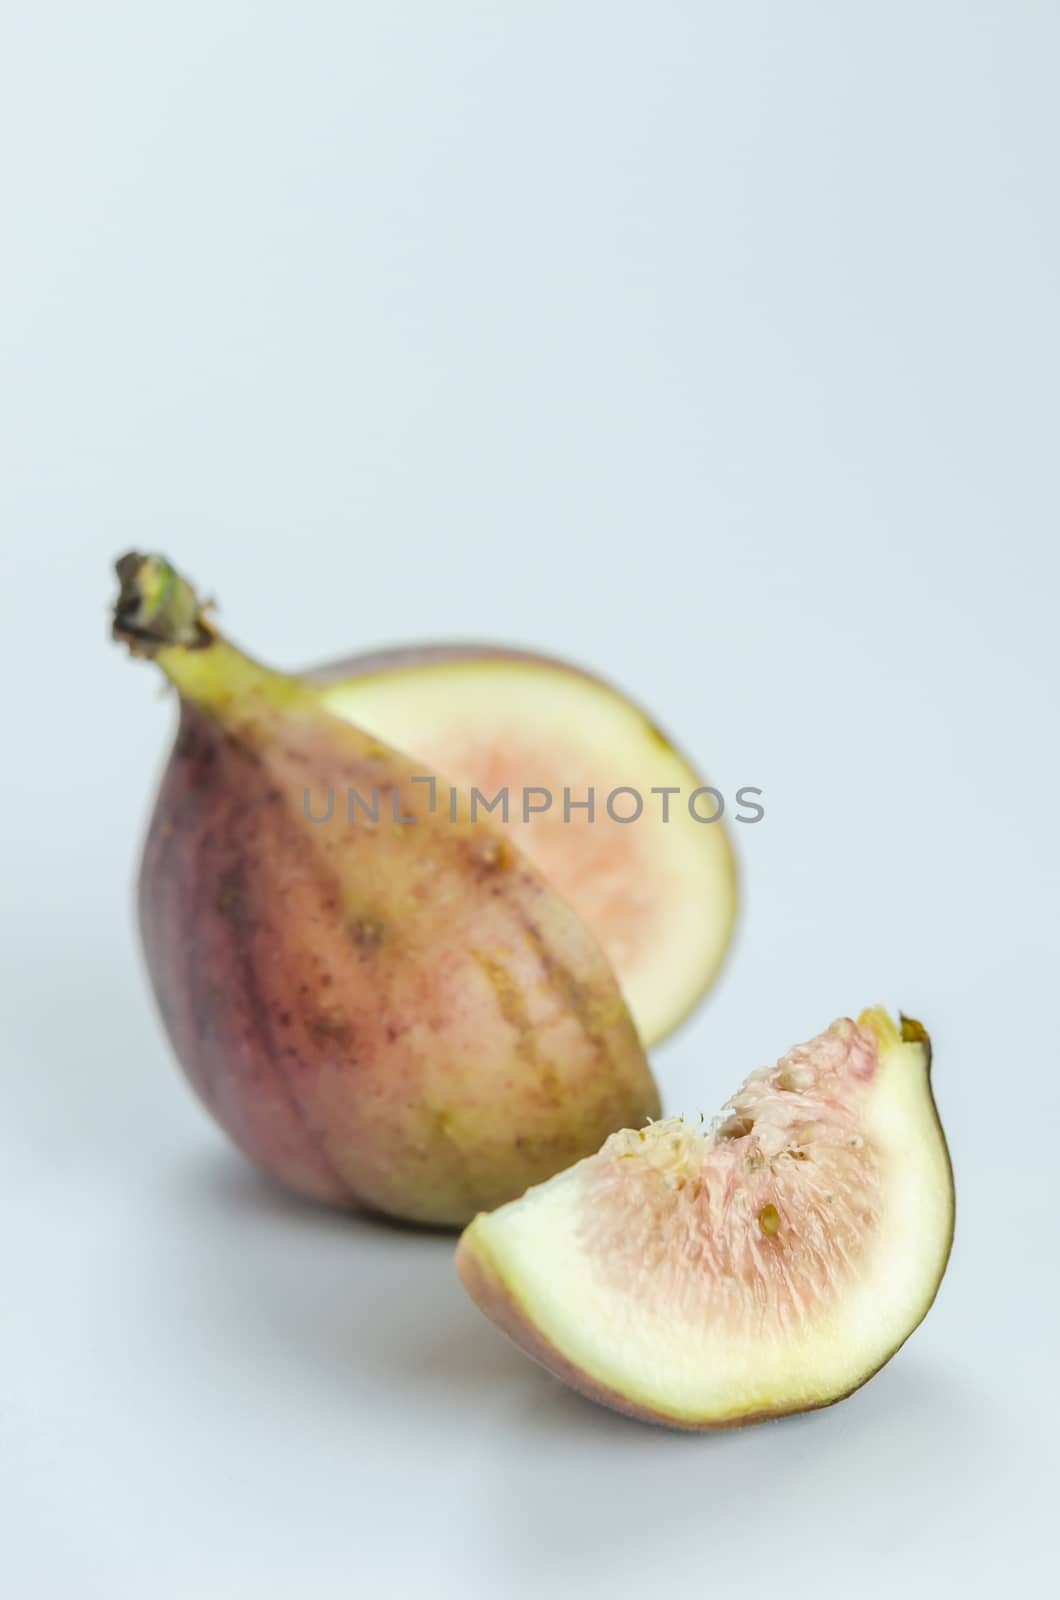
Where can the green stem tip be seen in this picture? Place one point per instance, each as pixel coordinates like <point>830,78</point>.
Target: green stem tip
<point>156,607</point>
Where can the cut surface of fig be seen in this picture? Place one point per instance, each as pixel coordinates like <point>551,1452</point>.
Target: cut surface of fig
<point>766,1264</point>
<point>659,892</point>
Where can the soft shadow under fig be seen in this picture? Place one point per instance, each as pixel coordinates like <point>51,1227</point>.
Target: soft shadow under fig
<point>228,1181</point>
<point>340,1292</point>
<point>339,1296</point>
<point>900,1433</point>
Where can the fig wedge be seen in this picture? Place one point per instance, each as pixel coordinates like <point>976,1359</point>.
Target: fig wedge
<point>769,1264</point>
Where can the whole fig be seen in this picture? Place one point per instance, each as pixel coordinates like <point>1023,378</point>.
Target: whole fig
<point>379,998</point>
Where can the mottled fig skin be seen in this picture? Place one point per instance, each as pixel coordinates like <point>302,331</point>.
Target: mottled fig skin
<point>400,1016</point>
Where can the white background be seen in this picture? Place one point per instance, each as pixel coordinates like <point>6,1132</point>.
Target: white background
<point>715,346</point>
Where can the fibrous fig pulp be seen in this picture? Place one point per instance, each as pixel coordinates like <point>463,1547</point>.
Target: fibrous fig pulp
<point>769,1264</point>
<point>393,1011</point>
<point>659,891</point>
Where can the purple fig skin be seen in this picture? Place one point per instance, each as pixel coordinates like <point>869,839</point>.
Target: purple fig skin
<point>201,924</point>
<point>396,1016</point>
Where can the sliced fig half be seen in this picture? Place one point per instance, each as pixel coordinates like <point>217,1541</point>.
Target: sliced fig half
<point>659,891</point>
<point>768,1264</point>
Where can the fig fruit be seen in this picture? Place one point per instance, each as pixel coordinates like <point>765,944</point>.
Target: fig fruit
<point>659,891</point>
<point>387,1008</point>
<point>769,1264</point>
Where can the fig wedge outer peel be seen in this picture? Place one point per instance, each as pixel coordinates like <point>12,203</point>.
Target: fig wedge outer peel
<point>660,895</point>
<point>770,1265</point>
<point>398,1016</point>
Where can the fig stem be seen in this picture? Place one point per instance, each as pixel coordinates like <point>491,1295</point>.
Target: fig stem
<point>156,607</point>
<point>159,615</point>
